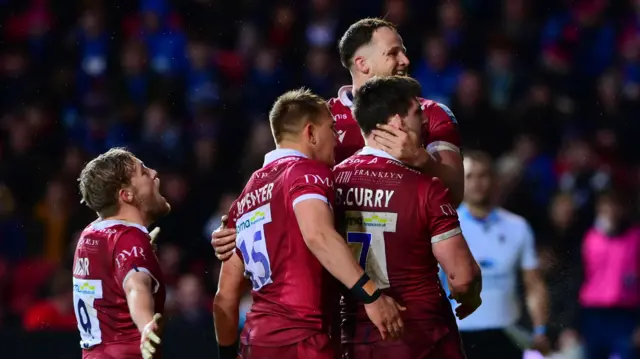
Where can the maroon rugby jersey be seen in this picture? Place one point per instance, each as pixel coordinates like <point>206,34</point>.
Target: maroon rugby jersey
<point>391,215</point>
<point>109,251</point>
<point>291,289</point>
<point>439,130</point>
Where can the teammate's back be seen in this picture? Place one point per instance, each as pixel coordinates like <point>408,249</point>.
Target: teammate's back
<point>289,283</point>
<point>400,225</point>
<point>391,215</point>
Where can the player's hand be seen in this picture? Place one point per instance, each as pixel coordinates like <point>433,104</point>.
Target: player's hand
<point>223,240</point>
<point>154,235</point>
<point>542,344</point>
<point>467,306</point>
<point>150,341</point>
<point>384,313</point>
<point>402,144</point>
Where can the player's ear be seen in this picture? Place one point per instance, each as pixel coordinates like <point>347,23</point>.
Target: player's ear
<point>126,195</point>
<point>310,133</point>
<point>361,64</point>
<point>396,122</point>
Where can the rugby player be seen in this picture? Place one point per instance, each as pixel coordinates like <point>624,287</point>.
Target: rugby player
<point>286,238</point>
<point>372,47</point>
<point>118,288</point>
<point>400,225</point>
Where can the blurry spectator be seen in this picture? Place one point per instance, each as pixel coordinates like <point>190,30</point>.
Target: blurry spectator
<point>540,115</point>
<point>581,36</point>
<point>527,178</point>
<point>17,81</point>
<point>190,328</point>
<point>165,42</point>
<point>481,127</point>
<point>502,77</point>
<point>267,80</point>
<point>223,209</point>
<point>581,175</point>
<point>53,214</point>
<point>55,312</point>
<point>160,138</point>
<point>519,28</point>
<point>92,41</point>
<point>323,24</point>
<point>202,86</point>
<point>317,72</point>
<point>12,234</point>
<point>437,72</point>
<point>610,294</point>
<point>170,257</point>
<point>561,264</point>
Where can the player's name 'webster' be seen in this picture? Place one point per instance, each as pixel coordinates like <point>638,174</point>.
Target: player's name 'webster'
<point>254,198</point>
<point>364,197</point>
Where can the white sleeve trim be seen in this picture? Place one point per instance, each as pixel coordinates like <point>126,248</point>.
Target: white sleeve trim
<point>446,235</point>
<point>307,196</point>
<point>438,146</point>
<point>156,285</point>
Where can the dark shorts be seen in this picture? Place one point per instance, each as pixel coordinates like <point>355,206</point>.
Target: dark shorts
<point>410,346</point>
<point>318,346</point>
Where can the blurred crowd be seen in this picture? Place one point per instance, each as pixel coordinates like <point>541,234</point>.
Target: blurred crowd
<point>549,88</point>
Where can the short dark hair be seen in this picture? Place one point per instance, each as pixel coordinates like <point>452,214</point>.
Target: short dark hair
<point>103,177</point>
<point>383,97</point>
<point>358,35</point>
<point>293,110</point>
<point>479,156</point>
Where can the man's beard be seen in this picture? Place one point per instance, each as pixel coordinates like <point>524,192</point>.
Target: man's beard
<point>154,208</point>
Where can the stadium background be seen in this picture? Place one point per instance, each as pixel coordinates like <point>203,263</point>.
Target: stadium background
<point>550,88</point>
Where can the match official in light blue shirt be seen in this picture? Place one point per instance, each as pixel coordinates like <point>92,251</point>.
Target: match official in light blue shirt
<point>503,244</point>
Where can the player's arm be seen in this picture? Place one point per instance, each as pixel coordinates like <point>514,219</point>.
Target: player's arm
<point>448,244</point>
<point>316,222</point>
<point>232,285</point>
<point>446,164</point>
<point>138,288</point>
<point>536,295</point>
<point>443,146</point>
<point>134,262</point>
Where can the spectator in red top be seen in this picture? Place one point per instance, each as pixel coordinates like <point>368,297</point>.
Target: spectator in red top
<point>55,312</point>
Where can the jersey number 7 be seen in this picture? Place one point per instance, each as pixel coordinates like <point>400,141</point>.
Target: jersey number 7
<point>365,235</point>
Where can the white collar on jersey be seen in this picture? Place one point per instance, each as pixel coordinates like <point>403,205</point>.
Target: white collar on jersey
<point>376,152</point>
<point>343,95</point>
<point>279,153</point>
<point>100,224</point>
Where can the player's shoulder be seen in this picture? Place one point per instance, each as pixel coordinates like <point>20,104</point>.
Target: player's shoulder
<point>307,166</point>
<point>437,110</point>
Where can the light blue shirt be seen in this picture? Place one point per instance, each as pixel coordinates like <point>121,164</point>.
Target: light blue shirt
<point>503,244</point>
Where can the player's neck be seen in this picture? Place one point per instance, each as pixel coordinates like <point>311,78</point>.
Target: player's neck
<point>356,82</point>
<point>290,145</point>
<point>369,142</point>
<point>480,211</point>
<point>132,215</point>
